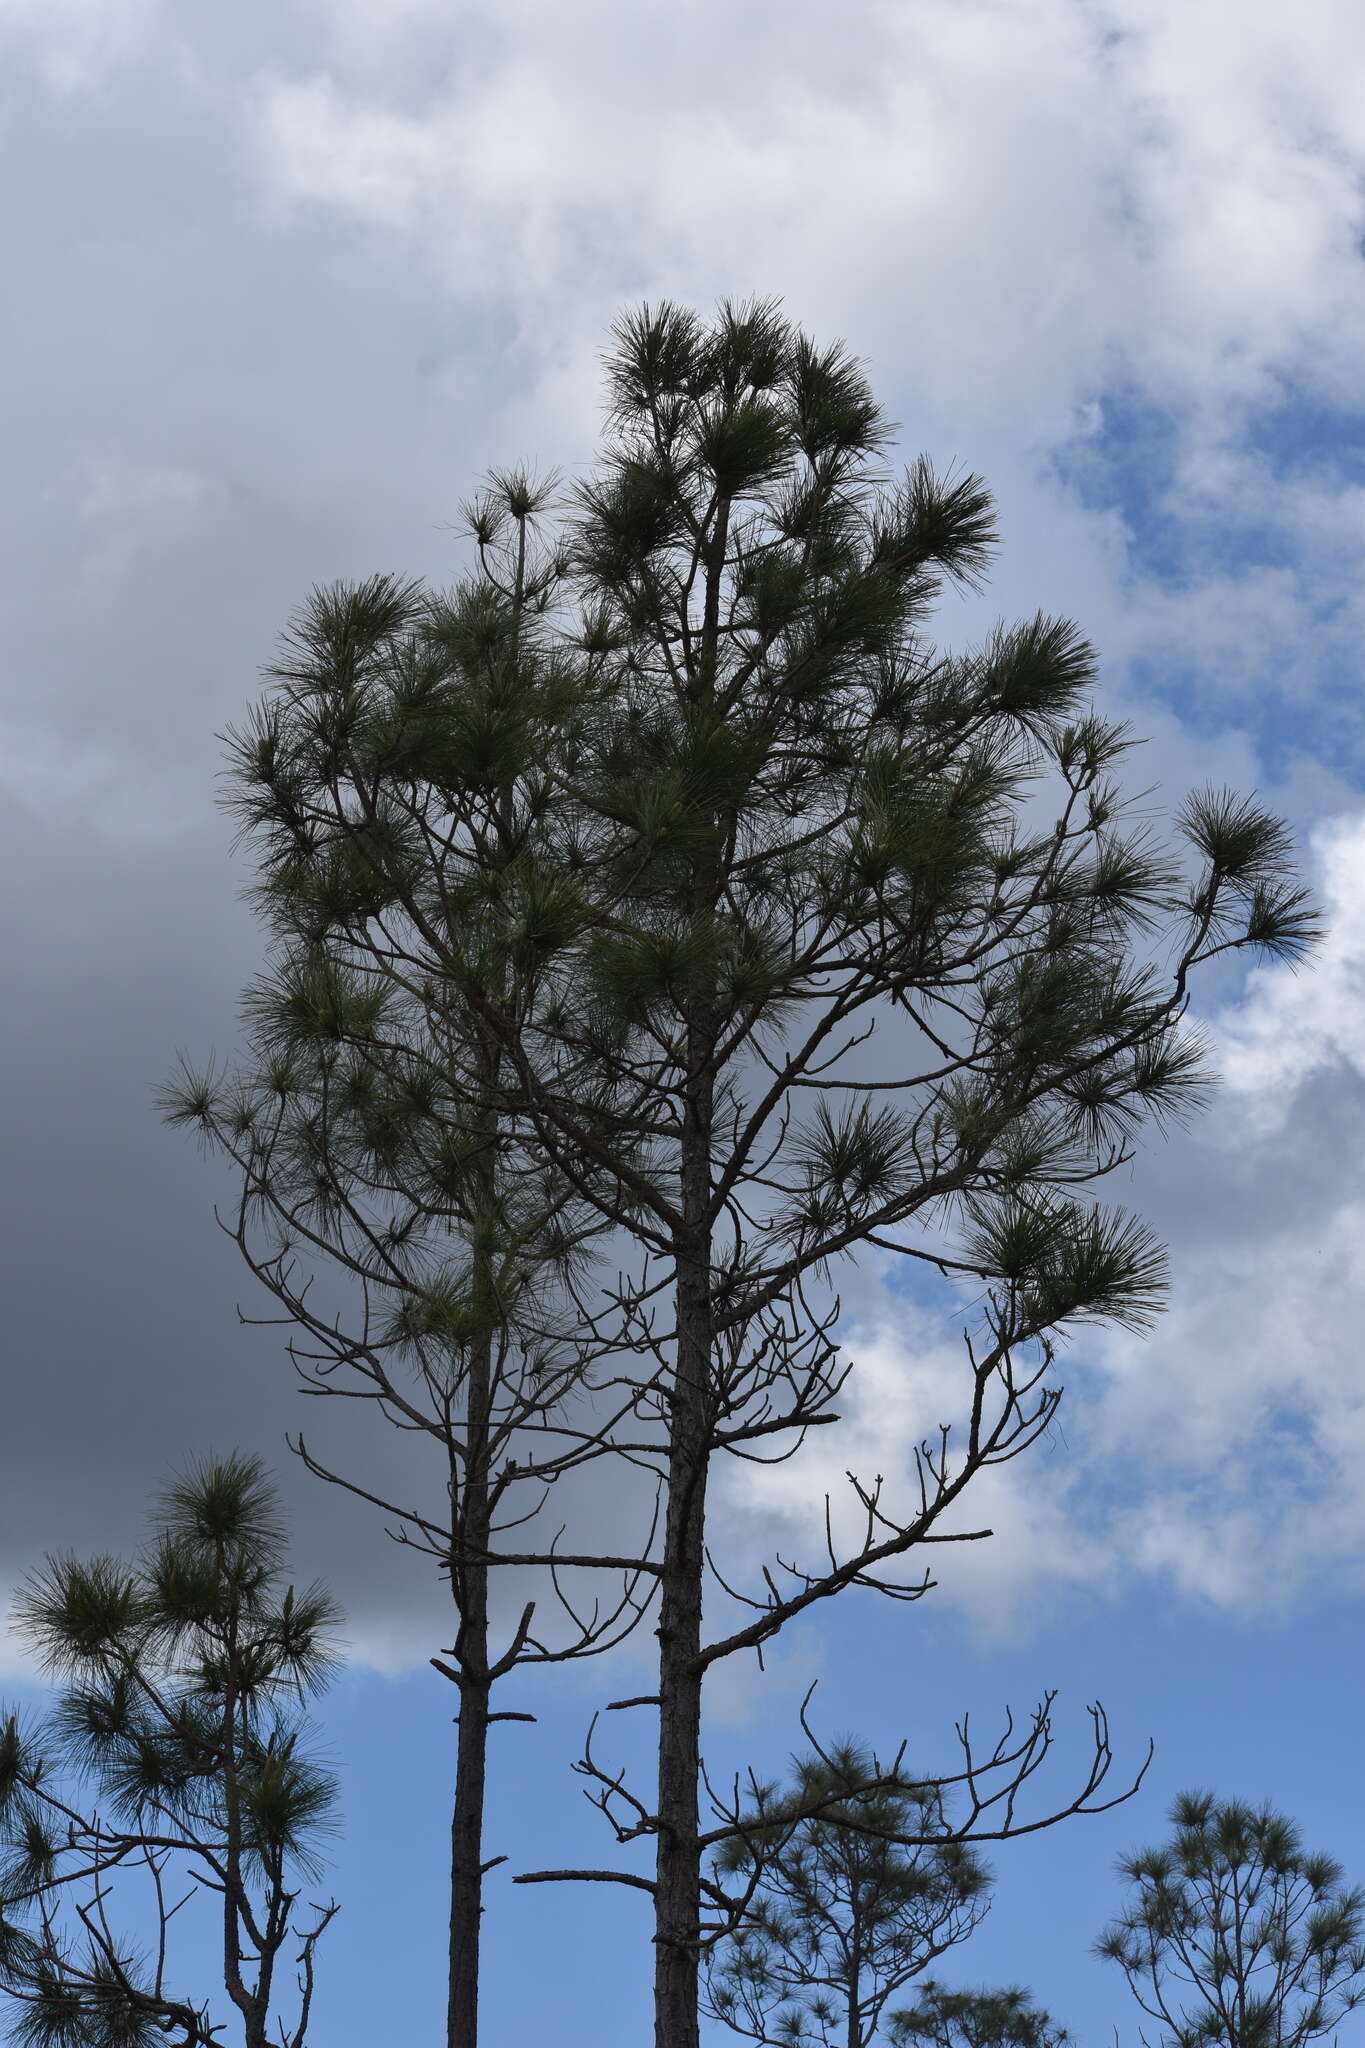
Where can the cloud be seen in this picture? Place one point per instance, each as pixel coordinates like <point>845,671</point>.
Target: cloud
<point>75,46</point>
<point>285,280</point>
<point>1295,1028</point>
<point>1249,1414</point>
<point>1117,190</point>
<point>908,1379</point>
<point>1035,221</point>
<point>1223,1457</point>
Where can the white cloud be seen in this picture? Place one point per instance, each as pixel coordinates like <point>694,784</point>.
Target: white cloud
<point>1293,1026</point>
<point>908,1378</point>
<point>1020,211</point>
<point>1005,201</point>
<point>1015,211</point>
<point>1224,1455</point>
<point>368,161</point>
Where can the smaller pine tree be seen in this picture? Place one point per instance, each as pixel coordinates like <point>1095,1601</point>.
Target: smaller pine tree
<point>1234,1935</point>
<point>842,1912</point>
<point>172,1763</point>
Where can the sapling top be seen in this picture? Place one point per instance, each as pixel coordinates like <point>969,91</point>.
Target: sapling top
<point>174,1765</point>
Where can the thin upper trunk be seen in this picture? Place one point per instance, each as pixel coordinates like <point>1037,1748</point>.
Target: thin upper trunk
<point>855,1973</point>
<point>469,1585</point>
<point>678,1863</point>
<point>471,1763</point>
<point>234,1889</point>
<point>677,1895</point>
<point>472,1522</point>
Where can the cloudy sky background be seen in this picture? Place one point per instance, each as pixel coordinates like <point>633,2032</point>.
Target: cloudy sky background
<point>281,281</point>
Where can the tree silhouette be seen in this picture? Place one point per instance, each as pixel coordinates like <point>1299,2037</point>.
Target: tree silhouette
<point>826,939</point>
<point>1235,1935</point>
<point>841,1916</point>
<point>383,1200</point>
<point>173,1762</point>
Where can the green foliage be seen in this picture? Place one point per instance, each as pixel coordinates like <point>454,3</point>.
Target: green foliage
<point>1234,1935</point>
<point>175,1742</point>
<point>839,1912</point>
<point>1038,673</point>
<point>97,2015</point>
<point>677,764</point>
<point>1069,1263</point>
<point>1245,895</point>
<point>940,2018</point>
<point>664,878</point>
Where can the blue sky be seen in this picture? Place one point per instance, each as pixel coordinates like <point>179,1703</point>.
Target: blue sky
<point>284,280</point>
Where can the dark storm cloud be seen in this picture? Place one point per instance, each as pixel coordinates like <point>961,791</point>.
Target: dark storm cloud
<point>202,417</point>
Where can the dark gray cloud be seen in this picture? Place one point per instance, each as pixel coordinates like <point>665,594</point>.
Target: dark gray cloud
<point>202,417</point>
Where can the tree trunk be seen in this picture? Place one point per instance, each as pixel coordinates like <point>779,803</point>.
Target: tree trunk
<point>855,2019</point>
<point>469,1584</point>
<point>470,1520</point>
<point>678,1861</point>
<point>677,1880</point>
<point>466,1861</point>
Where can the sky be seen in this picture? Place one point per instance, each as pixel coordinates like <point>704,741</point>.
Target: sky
<point>282,281</point>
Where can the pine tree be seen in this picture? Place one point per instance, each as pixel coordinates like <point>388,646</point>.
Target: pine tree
<point>382,1198</point>
<point>173,1764</point>
<point>839,1915</point>
<point>828,940</point>
<point>1234,1935</point>
<point>873,948</point>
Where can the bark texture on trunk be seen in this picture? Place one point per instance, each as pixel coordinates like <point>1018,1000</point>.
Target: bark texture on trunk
<point>466,1866</point>
<point>677,1876</point>
<point>855,1973</point>
<point>678,1857</point>
<point>469,1586</point>
<point>470,1490</point>
<point>678,1862</point>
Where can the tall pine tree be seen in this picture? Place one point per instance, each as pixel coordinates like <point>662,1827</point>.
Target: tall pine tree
<point>382,1200</point>
<point>826,939</point>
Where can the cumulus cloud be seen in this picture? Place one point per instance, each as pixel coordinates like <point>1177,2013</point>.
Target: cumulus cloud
<point>1121,190</point>
<point>1017,1527</point>
<point>1032,219</point>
